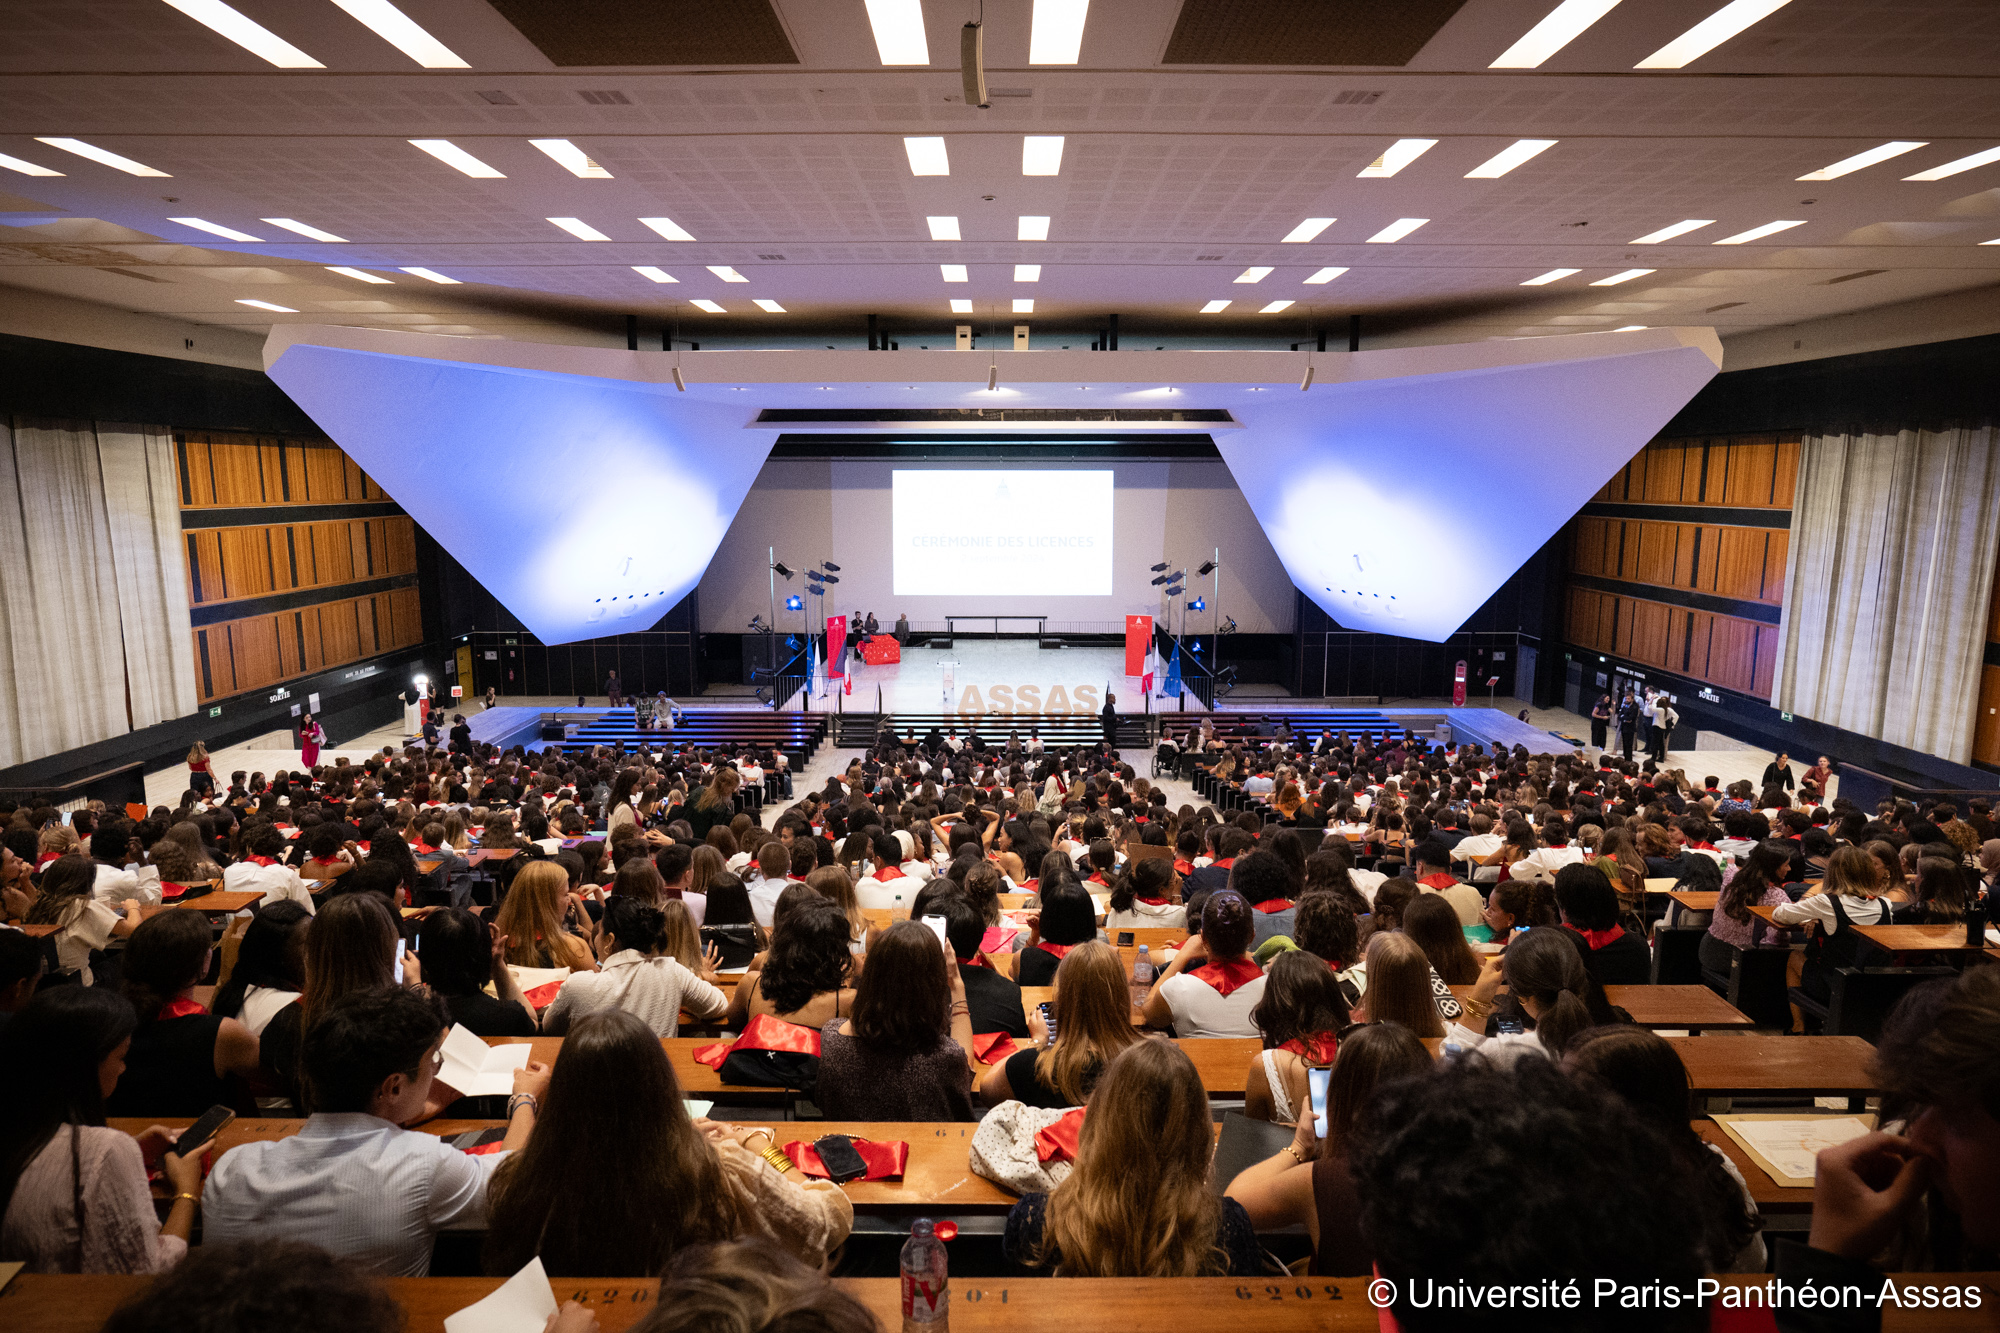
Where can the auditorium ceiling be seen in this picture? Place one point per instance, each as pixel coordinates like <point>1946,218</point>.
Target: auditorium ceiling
<point>757,177</point>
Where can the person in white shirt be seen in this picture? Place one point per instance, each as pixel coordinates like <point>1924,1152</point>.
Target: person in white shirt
<point>1211,987</point>
<point>353,1181</point>
<point>261,870</point>
<point>116,880</point>
<point>887,885</point>
<point>1541,864</point>
<point>634,976</point>
<point>1547,984</point>
<point>774,860</point>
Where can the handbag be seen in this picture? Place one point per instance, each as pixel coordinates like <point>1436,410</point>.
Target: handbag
<point>1003,1148</point>
<point>771,1053</point>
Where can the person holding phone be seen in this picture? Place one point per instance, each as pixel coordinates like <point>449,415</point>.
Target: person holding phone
<point>1308,1182</point>
<point>1089,1026</point>
<point>73,1192</point>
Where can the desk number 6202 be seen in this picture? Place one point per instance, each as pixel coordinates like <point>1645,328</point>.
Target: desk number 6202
<point>1298,1293</point>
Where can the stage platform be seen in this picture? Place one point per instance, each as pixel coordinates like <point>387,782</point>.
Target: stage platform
<point>916,684</point>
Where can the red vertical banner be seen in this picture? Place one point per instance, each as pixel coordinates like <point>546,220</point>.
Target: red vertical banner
<point>1458,686</point>
<point>836,646</point>
<point>1138,640</point>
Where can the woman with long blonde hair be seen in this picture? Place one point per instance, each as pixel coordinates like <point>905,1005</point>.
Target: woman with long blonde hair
<point>1107,1219</point>
<point>833,884</point>
<point>704,868</point>
<point>1093,1027</point>
<point>1399,985</point>
<point>533,920</point>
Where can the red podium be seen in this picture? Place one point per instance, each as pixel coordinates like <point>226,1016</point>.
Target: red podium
<point>881,650</point>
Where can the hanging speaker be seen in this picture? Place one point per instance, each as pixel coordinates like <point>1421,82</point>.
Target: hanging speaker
<point>972,63</point>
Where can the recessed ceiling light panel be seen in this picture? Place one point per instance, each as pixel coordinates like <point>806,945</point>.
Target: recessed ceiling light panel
<point>572,159</point>
<point>252,36</point>
<point>103,156</point>
<point>927,155</point>
<point>1758,233</point>
<point>1504,161</point>
<point>1041,154</point>
<point>396,28</point>
<point>214,229</point>
<point>899,31</point>
<point>1055,32</point>
<point>1307,230</point>
<point>1032,229</point>
<point>1396,231</point>
<point>1325,275</point>
<point>1398,155</point>
<point>1668,233</point>
<point>1848,165</point>
<point>667,227</point>
<point>310,233</point>
<point>449,153</point>
<point>1563,25</point>
<point>943,228</point>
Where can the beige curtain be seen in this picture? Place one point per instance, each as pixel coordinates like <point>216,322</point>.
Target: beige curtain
<point>1890,570</point>
<point>93,599</point>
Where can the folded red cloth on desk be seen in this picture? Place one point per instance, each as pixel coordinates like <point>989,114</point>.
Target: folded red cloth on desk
<point>885,1160</point>
<point>1057,1143</point>
<point>763,1033</point>
<point>543,996</point>
<point>990,1048</point>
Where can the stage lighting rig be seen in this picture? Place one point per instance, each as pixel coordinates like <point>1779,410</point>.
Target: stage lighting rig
<point>795,603</point>
<point>757,625</point>
<point>1157,568</point>
<point>1206,568</point>
<point>1228,625</point>
<point>1158,581</point>
<point>830,567</point>
<point>782,570</point>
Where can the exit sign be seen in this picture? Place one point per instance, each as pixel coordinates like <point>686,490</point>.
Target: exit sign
<point>215,711</point>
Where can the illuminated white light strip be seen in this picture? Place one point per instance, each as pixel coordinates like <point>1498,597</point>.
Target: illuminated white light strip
<point>1255,273</point>
<point>1324,275</point>
<point>1027,272</point>
<point>1758,233</point>
<point>710,306</point>
<point>432,275</point>
<point>1307,230</point>
<point>1032,229</point>
<point>1711,32</point>
<point>927,155</point>
<point>310,233</point>
<point>1961,164</point>
<point>1213,307</point>
<point>358,275</point>
<point>667,227</point>
<point>943,229</point>
<point>396,28</point>
<point>449,153</point>
<point>580,229</point>
<point>653,271</point>
<point>1398,155</point>
<point>763,303</point>
<point>215,229</point>
<point>726,273</point>
<point>1024,305</point>
<point>1668,233</point>
<point>954,272</point>
<point>572,159</point>
<point>1055,34</point>
<point>1553,275</point>
<point>26,168</point>
<point>1626,276</point>
<point>960,306</point>
<point>1274,307</point>
<point>252,36</point>
<point>1041,154</point>
<point>266,305</point>
<point>1849,165</point>
<point>899,31</point>
<point>103,156</point>
<point>1564,24</point>
<point>1396,231</point>
<point>1630,328</point>
<point>1504,161</point>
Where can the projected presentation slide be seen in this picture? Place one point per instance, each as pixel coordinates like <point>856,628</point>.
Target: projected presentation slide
<point>1012,531</point>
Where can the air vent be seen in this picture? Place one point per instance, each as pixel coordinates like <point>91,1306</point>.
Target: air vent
<point>1285,32</point>
<point>1206,258</point>
<point>1726,305</point>
<point>574,33</point>
<point>1850,277</point>
<point>497,98</point>
<point>1010,92</point>
<point>770,256</point>
<point>605,97</point>
<point>1356,97</point>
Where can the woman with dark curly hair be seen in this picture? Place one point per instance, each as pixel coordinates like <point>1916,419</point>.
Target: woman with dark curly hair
<point>806,974</point>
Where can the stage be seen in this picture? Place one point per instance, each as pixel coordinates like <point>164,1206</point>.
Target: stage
<point>997,669</point>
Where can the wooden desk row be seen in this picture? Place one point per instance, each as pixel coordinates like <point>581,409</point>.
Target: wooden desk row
<point>68,1304</point>
<point>1948,938</point>
<point>1693,1008</point>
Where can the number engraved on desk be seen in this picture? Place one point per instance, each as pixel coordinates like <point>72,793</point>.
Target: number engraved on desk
<point>974,1295</point>
<point>612,1296</point>
<point>1302,1292</point>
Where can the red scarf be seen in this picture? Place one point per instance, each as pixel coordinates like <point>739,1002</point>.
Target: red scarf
<point>885,1161</point>
<point>1057,949</point>
<point>1097,878</point>
<point>1270,905</point>
<point>261,860</point>
<point>1597,939</point>
<point>763,1033</point>
<point>1150,902</point>
<point>1316,1049</point>
<point>990,1048</point>
<point>1229,975</point>
<point>180,1008</point>
<point>1183,867</point>
<point>886,873</point>
<point>1058,1142</point>
<point>1440,880</point>
<point>1224,864</point>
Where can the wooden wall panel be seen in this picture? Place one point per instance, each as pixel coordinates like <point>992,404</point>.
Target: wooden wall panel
<point>261,651</point>
<point>1737,654</point>
<point>234,471</point>
<point>1765,672</point>
<point>1986,728</point>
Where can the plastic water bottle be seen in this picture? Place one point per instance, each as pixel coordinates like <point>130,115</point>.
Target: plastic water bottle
<point>899,910</point>
<point>1142,976</point>
<point>926,1281</point>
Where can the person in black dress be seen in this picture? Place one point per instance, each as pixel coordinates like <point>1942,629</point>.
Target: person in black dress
<point>183,1059</point>
<point>460,954</point>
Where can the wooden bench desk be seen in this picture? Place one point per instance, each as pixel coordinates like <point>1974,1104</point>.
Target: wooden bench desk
<point>1948,938</point>
<point>1695,900</point>
<point>1789,1204</point>
<point>1762,1066</point>
<point>1034,996</point>
<point>48,1303</point>
<point>1691,1007</point>
<point>224,901</point>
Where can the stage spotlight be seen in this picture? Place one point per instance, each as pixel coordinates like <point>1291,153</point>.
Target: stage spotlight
<point>792,642</point>
<point>783,570</point>
<point>1157,568</point>
<point>830,566</point>
<point>1228,625</point>
<point>1198,605</point>
<point>1177,576</point>
<point>757,625</point>
<point>1158,581</point>
<point>795,603</point>
<point>831,579</point>
<point>1175,590</point>
<point>1207,567</point>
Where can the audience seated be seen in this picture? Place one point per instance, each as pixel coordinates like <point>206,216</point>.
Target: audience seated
<point>1212,984</point>
<point>805,976</point>
<point>1300,1018</point>
<point>181,1060</point>
<point>1068,917</point>
<point>1093,1026</point>
<point>461,955</point>
<point>994,999</point>
<point>903,1054</point>
<point>750,1287</point>
<point>1613,955</point>
<point>635,976</point>
<point>353,1180</point>
<point>272,1286</point>
<point>613,1098</point>
<point>352,945</point>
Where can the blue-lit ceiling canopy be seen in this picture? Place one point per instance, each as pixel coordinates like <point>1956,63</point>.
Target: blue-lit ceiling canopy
<point>588,493</point>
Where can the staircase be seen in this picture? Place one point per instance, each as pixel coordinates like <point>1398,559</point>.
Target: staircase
<point>1059,731</point>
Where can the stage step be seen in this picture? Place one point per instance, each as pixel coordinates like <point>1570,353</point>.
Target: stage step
<point>1059,731</point>
<point>797,734</point>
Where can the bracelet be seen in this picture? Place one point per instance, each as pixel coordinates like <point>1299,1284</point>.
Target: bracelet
<point>1293,1149</point>
<point>515,1102</point>
<point>766,1133</point>
<point>960,1007</point>
<point>191,1198</point>
<point>774,1157</point>
<point>1477,1008</point>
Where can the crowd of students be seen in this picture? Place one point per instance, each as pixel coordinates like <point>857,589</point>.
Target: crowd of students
<point>1329,917</point>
